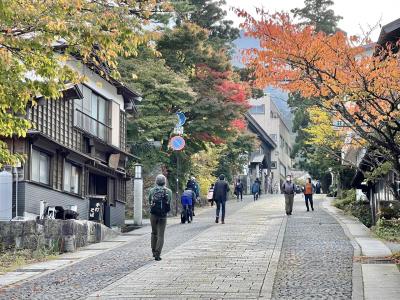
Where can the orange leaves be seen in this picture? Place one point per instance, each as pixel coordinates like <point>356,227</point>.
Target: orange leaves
<point>329,67</point>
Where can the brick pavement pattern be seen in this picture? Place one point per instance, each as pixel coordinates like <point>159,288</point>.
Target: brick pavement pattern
<point>316,257</point>
<point>241,259</point>
<point>95,273</point>
<point>228,261</point>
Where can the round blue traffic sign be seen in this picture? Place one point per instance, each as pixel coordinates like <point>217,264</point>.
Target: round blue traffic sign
<point>177,143</point>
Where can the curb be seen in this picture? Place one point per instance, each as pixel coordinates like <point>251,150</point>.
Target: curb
<point>267,288</point>
<point>357,277</point>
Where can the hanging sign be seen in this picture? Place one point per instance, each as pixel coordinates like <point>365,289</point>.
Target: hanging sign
<point>177,143</point>
<point>181,119</point>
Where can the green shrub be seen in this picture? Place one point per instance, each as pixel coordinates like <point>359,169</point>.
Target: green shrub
<point>388,229</point>
<point>348,197</point>
<point>389,210</point>
<point>350,205</point>
<point>362,211</point>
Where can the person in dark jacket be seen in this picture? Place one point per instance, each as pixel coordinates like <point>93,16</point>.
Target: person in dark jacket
<point>194,186</point>
<point>221,189</point>
<point>255,189</point>
<point>239,190</point>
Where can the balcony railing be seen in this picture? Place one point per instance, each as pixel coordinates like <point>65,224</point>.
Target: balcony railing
<point>92,126</point>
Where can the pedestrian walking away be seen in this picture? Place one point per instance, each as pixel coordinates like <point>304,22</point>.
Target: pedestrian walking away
<point>160,204</point>
<point>308,194</point>
<point>210,194</point>
<point>318,187</point>
<point>289,190</point>
<point>255,189</point>
<point>239,190</point>
<point>194,186</point>
<point>221,189</point>
<point>187,198</point>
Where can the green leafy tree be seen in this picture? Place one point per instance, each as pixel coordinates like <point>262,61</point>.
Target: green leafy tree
<point>36,37</point>
<point>318,14</point>
<point>234,155</point>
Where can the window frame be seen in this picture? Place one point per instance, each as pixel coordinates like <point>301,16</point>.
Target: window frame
<point>80,109</point>
<point>49,167</point>
<point>78,167</point>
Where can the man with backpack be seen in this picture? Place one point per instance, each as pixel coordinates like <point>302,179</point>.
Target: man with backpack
<point>289,190</point>
<point>160,204</point>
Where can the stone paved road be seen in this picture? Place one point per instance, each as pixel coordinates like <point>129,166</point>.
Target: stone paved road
<point>316,258</point>
<point>242,259</point>
<point>95,273</point>
<point>228,261</point>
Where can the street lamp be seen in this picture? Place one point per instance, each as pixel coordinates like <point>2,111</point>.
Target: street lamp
<point>138,171</point>
<point>138,195</point>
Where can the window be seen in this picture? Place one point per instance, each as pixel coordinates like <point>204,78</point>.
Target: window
<point>72,175</point>
<point>274,137</point>
<point>282,142</point>
<point>40,167</point>
<point>92,114</point>
<point>257,109</point>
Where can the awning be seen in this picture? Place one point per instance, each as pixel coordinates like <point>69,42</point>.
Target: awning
<point>257,159</point>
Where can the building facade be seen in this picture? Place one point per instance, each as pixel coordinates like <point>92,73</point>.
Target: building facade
<point>259,165</point>
<point>76,154</point>
<point>268,116</point>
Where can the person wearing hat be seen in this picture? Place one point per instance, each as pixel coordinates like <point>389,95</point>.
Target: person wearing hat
<point>160,204</point>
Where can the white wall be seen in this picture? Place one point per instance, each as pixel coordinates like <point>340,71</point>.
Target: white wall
<point>275,127</point>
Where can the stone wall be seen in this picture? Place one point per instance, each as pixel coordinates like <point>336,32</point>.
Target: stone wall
<point>66,235</point>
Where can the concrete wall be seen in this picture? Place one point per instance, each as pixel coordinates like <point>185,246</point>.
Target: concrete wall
<point>37,233</point>
<point>30,195</point>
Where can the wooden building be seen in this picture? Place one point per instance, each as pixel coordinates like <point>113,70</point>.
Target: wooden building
<point>76,150</point>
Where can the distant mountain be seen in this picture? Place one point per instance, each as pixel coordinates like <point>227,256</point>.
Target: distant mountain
<point>278,96</point>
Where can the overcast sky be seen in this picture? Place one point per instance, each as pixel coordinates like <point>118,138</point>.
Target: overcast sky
<point>354,12</point>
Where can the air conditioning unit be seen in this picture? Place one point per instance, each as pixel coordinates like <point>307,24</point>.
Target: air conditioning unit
<point>273,165</point>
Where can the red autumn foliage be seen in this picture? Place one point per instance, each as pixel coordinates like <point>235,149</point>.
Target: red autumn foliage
<point>239,124</point>
<point>206,137</point>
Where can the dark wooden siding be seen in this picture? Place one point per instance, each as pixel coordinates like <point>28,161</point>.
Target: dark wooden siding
<point>55,119</point>
<point>122,125</point>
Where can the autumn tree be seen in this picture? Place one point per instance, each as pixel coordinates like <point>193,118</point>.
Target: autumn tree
<point>221,97</point>
<point>308,155</point>
<point>36,37</point>
<point>360,90</point>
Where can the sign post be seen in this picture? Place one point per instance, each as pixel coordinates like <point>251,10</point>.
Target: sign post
<point>177,143</point>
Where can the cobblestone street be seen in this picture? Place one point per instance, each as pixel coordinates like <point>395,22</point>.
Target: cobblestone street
<point>316,258</point>
<point>259,253</point>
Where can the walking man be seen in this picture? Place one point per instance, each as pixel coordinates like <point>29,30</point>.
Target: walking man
<point>289,190</point>
<point>160,204</point>
<point>221,189</point>
<point>255,189</point>
<point>194,186</point>
<point>239,190</point>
